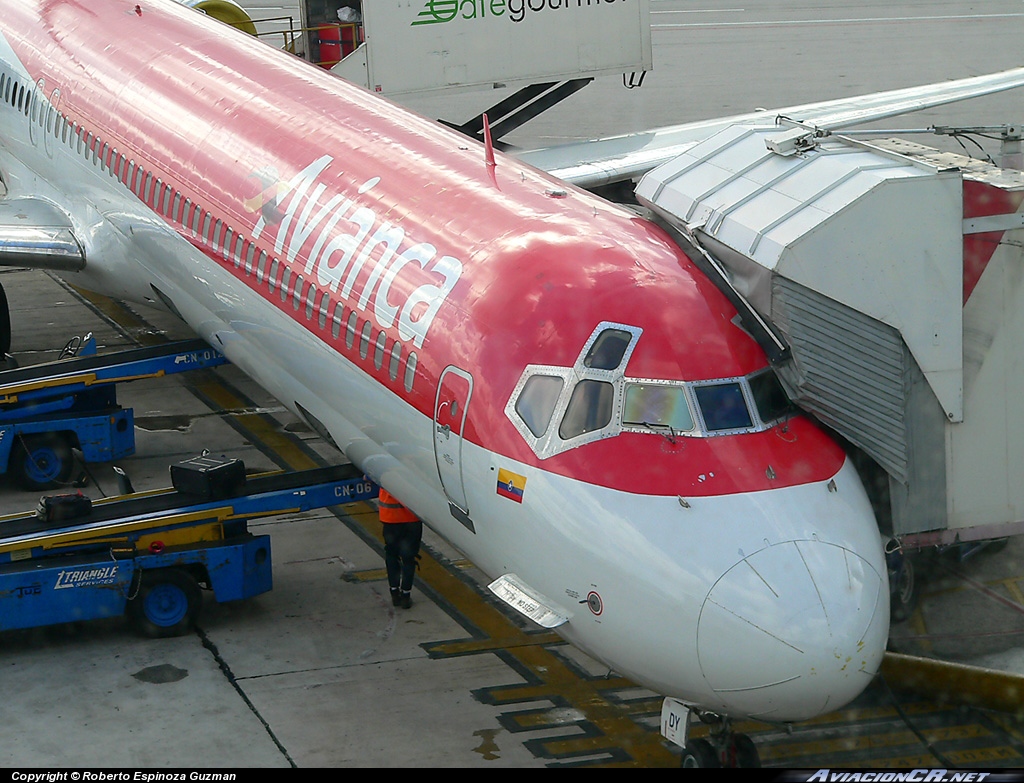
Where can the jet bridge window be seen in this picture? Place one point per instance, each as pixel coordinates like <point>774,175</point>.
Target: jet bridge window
<point>590,409</point>
<point>722,406</point>
<point>537,402</point>
<point>656,406</point>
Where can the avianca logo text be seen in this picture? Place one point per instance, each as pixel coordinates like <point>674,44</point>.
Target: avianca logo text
<point>339,239</point>
<point>437,11</point>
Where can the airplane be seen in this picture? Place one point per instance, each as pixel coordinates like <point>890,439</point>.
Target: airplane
<point>544,377</point>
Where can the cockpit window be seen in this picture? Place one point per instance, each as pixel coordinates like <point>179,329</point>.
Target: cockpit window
<point>590,408</point>
<point>769,397</point>
<point>608,349</point>
<point>537,402</point>
<point>656,405</point>
<point>722,406</point>
<point>592,398</point>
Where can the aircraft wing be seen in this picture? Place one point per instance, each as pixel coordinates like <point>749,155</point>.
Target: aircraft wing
<point>36,233</point>
<point>598,162</point>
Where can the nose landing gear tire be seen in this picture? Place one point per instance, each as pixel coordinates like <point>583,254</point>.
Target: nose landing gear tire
<point>744,753</point>
<point>699,754</point>
<point>724,748</point>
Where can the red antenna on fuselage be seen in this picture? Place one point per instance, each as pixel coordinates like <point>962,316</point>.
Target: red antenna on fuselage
<point>488,147</point>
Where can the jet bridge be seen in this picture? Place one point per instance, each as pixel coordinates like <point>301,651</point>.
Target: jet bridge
<point>888,277</point>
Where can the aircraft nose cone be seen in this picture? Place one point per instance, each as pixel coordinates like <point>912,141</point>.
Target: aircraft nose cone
<point>798,624</point>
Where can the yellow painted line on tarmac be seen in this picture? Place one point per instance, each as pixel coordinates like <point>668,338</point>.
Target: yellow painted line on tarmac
<point>971,757</point>
<point>791,752</point>
<point>943,681</point>
<point>555,678</point>
<point>920,627</point>
<point>140,331</point>
<point>1013,588</point>
<point>1011,724</point>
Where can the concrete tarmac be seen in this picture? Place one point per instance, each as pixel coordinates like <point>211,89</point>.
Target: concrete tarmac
<point>322,671</point>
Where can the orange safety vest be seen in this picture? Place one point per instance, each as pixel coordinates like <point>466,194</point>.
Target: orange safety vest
<point>391,511</point>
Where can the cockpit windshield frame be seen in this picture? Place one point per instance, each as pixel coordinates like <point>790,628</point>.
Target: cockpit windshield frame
<point>714,407</point>
<point>582,426</point>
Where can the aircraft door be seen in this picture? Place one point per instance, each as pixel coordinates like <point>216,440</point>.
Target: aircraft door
<point>454,390</point>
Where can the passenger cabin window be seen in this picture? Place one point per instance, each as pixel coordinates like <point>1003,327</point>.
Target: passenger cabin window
<point>656,405</point>
<point>339,310</point>
<point>378,352</point>
<point>286,276</point>
<point>537,402</point>
<point>590,408</point>
<point>410,372</point>
<point>325,301</point>
<point>396,358</point>
<point>608,349</point>
<point>310,301</point>
<point>722,406</point>
<point>350,329</point>
<point>272,277</point>
<point>364,339</point>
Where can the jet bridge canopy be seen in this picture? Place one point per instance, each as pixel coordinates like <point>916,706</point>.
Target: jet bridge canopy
<point>854,254</point>
<point>891,273</point>
<point>874,231</point>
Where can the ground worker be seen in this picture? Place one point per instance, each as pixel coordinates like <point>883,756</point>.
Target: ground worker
<point>403,531</point>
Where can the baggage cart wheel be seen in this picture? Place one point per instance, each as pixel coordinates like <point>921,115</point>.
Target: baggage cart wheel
<point>41,461</point>
<point>167,603</point>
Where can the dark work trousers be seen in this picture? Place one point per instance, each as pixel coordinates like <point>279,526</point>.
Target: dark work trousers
<point>401,545</point>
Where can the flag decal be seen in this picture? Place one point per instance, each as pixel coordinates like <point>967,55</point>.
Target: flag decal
<point>511,485</point>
